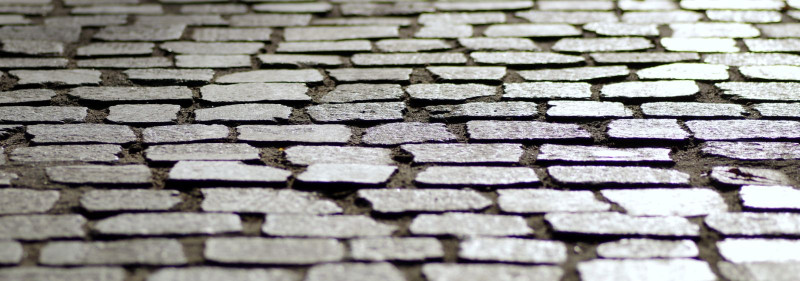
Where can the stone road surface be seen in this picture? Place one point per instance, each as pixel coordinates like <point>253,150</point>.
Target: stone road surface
<point>391,140</point>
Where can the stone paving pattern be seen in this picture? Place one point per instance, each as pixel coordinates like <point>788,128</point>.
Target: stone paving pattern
<point>275,140</point>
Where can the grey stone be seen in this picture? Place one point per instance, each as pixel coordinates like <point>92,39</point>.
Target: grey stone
<point>295,133</point>
<point>375,9</point>
<point>411,45</point>
<point>667,202</point>
<point>370,74</point>
<point>449,92</point>
<point>531,30</point>
<point>268,20</point>
<point>11,252</point>
<point>692,109</point>
<point>214,9</point>
<point>26,201</point>
<point>513,250</point>
<point>461,18</point>
<point>81,133</point>
<point>575,74</point>
<point>43,114</point>
<point>207,273</point>
<point>732,5</point>
<point>357,112</point>
<point>547,90</point>
<point>254,250</point>
<point>476,176</point>
<point>398,21</point>
<point>141,32</point>
<point>644,57</point>
<point>170,75</point>
<point>587,109</point>
<point>184,133</point>
<point>748,176</point>
<point>524,58</point>
<point>661,17</point>
<point>700,45</point>
<point>66,34</point>
<point>33,62</point>
<point>183,47</point>
<point>772,45</point>
<point>778,109</point>
<point>480,6</point>
<point>347,173</point>
<point>300,60</point>
<point>498,44</point>
<point>339,33</point>
<point>136,251</point>
<point>646,270</point>
<point>485,110</point>
<point>714,29</point>
<point>759,271</point>
<point>499,272</point>
<point>266,201</point>
<point>26,96</point>
<point>423,200</point>
<point>742,250</point>
<point>339,226</point>
<point>99,174</point>
<point>744,129</point>
<point>469,73</point>
<point>217,34</point>
<point>468,224</point>
<point>270,113</point>
<point>201,20</point>
<point>363,92</point>
<point>62,77</point>
<point>395,249</point>
<point>622,29</point>
<point>575,153</point>
<point>769,197</point>
<point>307,155</point>
<point>577,5</point>
<point>354,272</point>
<point>66,153</point>
<point>407,132</point>
<point>254,92</point>
<point>548,200</point>
<point>90,20</point>
<point>212,61</point>
<point>686,71</point>
<point>325,46</point>
<point>41,227</point>
<point>770,91</point>
<point>116,49</point>
<point>169,224</point>
<point>665,129</point>
<point>226,171</point>
<point>771,72</point>
<point>464,153</point>
<point>201,151</point>
<point>408,59</point>
<point>648,248</point>
<point>579,17</point>
<point>14,19</point>
<point>524,130</point>
<point>444,31</point>
<point>133,94</point>
<point>655,89</point>
<point>602,44</point>
<point>33,47</point>
<point>130,200</point>
<point>617,175</point>
<point>7,177</point>
<point>65,274</point>
<point>272,75</point>
<point>611,223</point>
<point>143,113</point>
<point>144,9</point>
<point>754,224</point>
<point>753,150</point>
<point>752,59</point>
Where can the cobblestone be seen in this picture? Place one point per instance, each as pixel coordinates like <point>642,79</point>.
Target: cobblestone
<point>574,153</point>
<point>769,197</point>
<point>655,89</point>
<point>518,130</point>
<point>442,175</point>
<point>24,201</point>
<point>769,91</point>
<point>778,109</point>
<point>464,153</point>
<point>748,176</point>
<point>468,225</point>
<point>171,75</point>
<point>610,223</point>
<point>548,200</point>
<point>700,45</point>
<point>396,249</point>
<point>66,153</point>
<point>99,174</point>
<point>641,129</point>
<point>341,226</point>
<point>207,273</point>
<point>254,92</point>
<point>411,45</point>
<point>169,224</point>
<point>499,44</point>
<point>357,112</point>
<point>531,30</point>
<point>423,200</point>
<point>500,272</point>
<point>143,114</point>
<point>692,109</point>
<point>133,94</point>
<point>347,173</point>
<point>752,224</point>
<point>273,75</point>
<point>513,250</point>
<point>41,227</point>
<point>262,113</point>
<point>409,132</point>
<point>129,200</point>
<point>743,250</point>
<point>478,110</point>
<point>779,271</point>
<point>363,92</point>
<point>266,201</point>
<point>648,248</point>
<point>306,155</point>
<point>354,272</point>
<point>524,58</point>
<point>226,171</point>
<point>57,77</point>
<point>616,175</point>
<point>11,252</point>
<point>587,109</point>
<point>644,57</point>
<point>295,133</point>
<point>273,250</point>
<point>753,150</point>
<point>201,151</point>
<point>300,60</point>
<point>686,71</point>
<point>66,274</point>
<point>575,74</point>
<point>137,251</point>
<point>668,269</point>
<point>26,96</point>
<point>744,129</point>
<point>667,202</point>
<point>771,72</point>
<point>370,74</point>
<point>184,133</point>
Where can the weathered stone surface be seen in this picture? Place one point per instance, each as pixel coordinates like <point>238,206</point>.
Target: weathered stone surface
<point>33,47</point>
<point>354,272</point>
<point>33,63</point>
<point>11,253</point>
<point>778,109</point>
<point>744,129</point>
<point>370,74</point>
<point>442,175</point>
<point>41,227</point>
<point>254,92</point>
<point>772,45</point>
<point>754,224</point>
<point>170,75</point>
<point>295,133</point>
<point>531,30</point>
<point>686,71</point>
<point>499,272</point>
<point>462,18</point>
<point>644,57</point>
<point>622,29</point>
<point>266,201</point>
<point>661,17</point>
<point>579,17</point>
<point>616,175</point>
<point>212,61</point>
<point>88,20</point>
<point>395,249</point>
<point>771,91</point>
<point>169,224</point>
<point>759,271</point>
<point>272,75</point>
<point>133,94</point>
<point>656,89</point>
<point>481,6</point>
<point>307,155</point>
<point>646,270</point>
<point>207,273</point>
<point>499,44</point>
<point>465,153</point>
<point>214,8</point>
<point>408,132</point>
<point>692,109</point>
<point>57,77</point>
<point>273,251</point>
<point>752,59</point>
<point>268,20</point>
<point>611,223</point>
<point>184,133</point>
<point>479,110</point>
<point>66,34</point>
<point>769,197</point>
<point>753,150</point>
<point>42,114</point>
<point>423,200</point>
<point>183,47</point>
<point>65,274</point>
<point>524,130</point>
<point>251,112</point>
<point>25,201</point>
<point>714,29</point>
<point>602,44</point>
<point>749,176</point>
<point>630,129</point>
<point>573,153</point>
<point>547,90</point>
<point>137,251</point>
<point>575,74</point>
<point>339,33</point>
<point>363,92</point>
<point>26,96</point>
<point>99,174</point>
<point>141,32</point>
<point>347,173</point>
<point>732,5</point>
<point>648,248</point>
<point>341,226</point>
<point>300,60</point>
<point>667,202</point>
<point>357,112</point>
<point>700,45</point>
<point>548,200</point>
<point>524,58</point>
<point>444,31</point>
<point>226,171</point>
<point>771,72</point>
<point>467,225</point>
<point>469,73</point>
<point>449,92</point>
<point>202,151</point>
<point>145,9</point>
<point>7,177</point>
<point>411,45</point>
<point>577,5</point>
<point>143,113</point>
<point>408,59</point>
<point>743,250</point>
<point>66,153</point>
<point>779,30</point>
<point>130,200</point>
<point>325,46</point>
<point>217,34</point>
<point>513,250</point>
<point>587,109</point>
<point>143,62</point>
<point>392,21</point>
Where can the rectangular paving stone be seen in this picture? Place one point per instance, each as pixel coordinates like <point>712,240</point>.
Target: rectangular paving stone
<point>468,225</point>
<point>72,77</point>
<point>587,109</point>
<point>214,9</point>
<point>130,200</point>
<point>254,92</point>
<point>407,132</point>
<point>524,130</point>
<point>772,45</point>
<point>746,250</point>
<point>578,17</point>
<point>225,171</point>
<point>449,92</point>
<point>88,20</point>
<point>295,133</point>
<point>622,29</point>
<point>778,271</point>
<point>575,74</point>
<point>269,20</point>
<point>99,174</point>
<point>339,33</point>
<point>144,9</point>
<point>478,18</point>
<point>667,202</point>
<point>524,58</point>
<point>11,252</point>
<point>733,175</point>
<point>41,227</point>
<point>514,250</point>
<point>480,5</point>
<point>423,200</point>
<point>66,153</point>
<point>380,9</point>
<point>469,73</point>
<point>646,129</point>
<point>357,112</point>
<point>577,5</point>
<point>133,94</point>
<point>752,59</point>
<point>769,197</point>
<point>220,34</point>
<point>648,248</point>
<point>66,34</point>
<point>170,75</point>
<point>692,109</point>
<point>145,62</point>
<point>81,133</point>
<point>212,61</point>
<point>685,71</point>
<point>345,93</point>
<point>33,62</point>
<point>442,175</point>
<point>744,129</point>
<point>464,153</point>
<point>43,114</point>
<point>753,150</point>
<point>714,29</point>
<point>312,7</point>
<point>266,201</point>
<point>253,113</point>
<point>754,224</point>
<point>661,17</point>
<point>169,224</point>
<point>771,72</point>
<point>115,49</point>
<point>143,113</point>
<point>26,201</point>
<point>280,251</point>
<point>531,30</point>
<point>347,174</point>
<point>201,151</point>
<point>595,175</point>
<point>646,270</point>
<point>411,45</point>
<point>655,89</point>
<point>761,91</point>
<point>193,20</point>
<point>65,274</point>
<point>498,44</point>
<point>499,272</point>
<point>487,110</point>
<point>525,201</point>
<point>575,153</point>
<point>339,226</point>
<point>354,271</point>
<point>370,74</point>
<point>184,133</point>
<point>394,21</point>
<point>207,273</point>
<point>547,90</point>
<point>134,252</point>
<point>272,75</point>
<point>300,60</point>
<point>395,249</point>
<point>732,5</point>
<point>583,45</point>
<point>26,96</point>
<point>141,32</point>
<point>700,45</point>
<point>324,46</point>
<point>644,57</point>
<point>778,109</point>
<point>14,19</point>
<point>612,223</point>
<point>306,155</point>
<point>184,47</point>
<point>408,59</point>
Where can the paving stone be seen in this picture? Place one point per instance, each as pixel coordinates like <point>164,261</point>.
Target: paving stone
<point>579,17</point>
<point>26,96</point>
<point>547,90</point>
<point>468,224</point>
<point>183,47</point>
<point>374,9</point>
<point>116,49</point>
<point>744,16</point>
<point>408,59</point>
<point>643,57</point>
<point>602,44</point>
<point>341,226</point>
<point>81,133</point>
<point>295,133</point>
<point>129,200</point>
<point>611,223</point>
<point>272,75</point>
<point>524,58</point>
<point>743,250</point>
<point>755,59</point>
<point>207,273</point>
<point>11,252</point>
<point>201,20</point>
<point>661,17</point>
<point>273,250</point>
<point>145,9</point>
<point>26,201</point>
<point>62,77</point>
<point>575,153</point>
<point>754,224</point>
<point>462,18</point>
<point>132,94</point>
<point>499,44</point>
<point>300,60</point>
<point>686,71</point>
<point>744,129</point>
<point>354,272</point>
<point>692,109</point>
<point>33,47</point>
<point>311,7</point>
<point>357,112</point>
<point>701,45</point>
<point>648,248</point>
<point>141,32</point>
<point>393,21</point>
<point>184,133</point>
<point>732,5</point>
<point>449,92</point>
<point>307,155</point>
<point>226,171</point>
<point>521,130</point>
<point>170,75</point>
<point>136,251</point>
<point>411,45</point>
<point>753,150</point>
<point>212,61</point>
<point>346,93</point>
<point>99,174</point>
<point>407,132</point>
<point>714,29</point>
<point>146,62</point>
<point>769,91</point>
<point>531,30</point>
<point>616,175</point>
<point>577,5</point>
<point>622,29</point>
<point>219,34</point>
<point>759,271</point>
<point>33,62</point>
<point>41,227</point>
<point>646,129</point>
<point>254,92</point>
<point>771,72</point>
<point>748,176</point>
<point>486,110</point>
<point>587,109</point>
<point>464,153</point>
<point>655,89</point>
<point>499,272</point>
<point>769,197</point>
<point>169,224</point>
<point>396,249</point>
<point>423,200</point>
<point>325,46</point>
<point>772,45</point>
<point>339,33</point>
<point>214,9</point>
<point>143,113</point>
<point>667,202</point>
<point>42,114</point>
<point>90,20</point>
<point>65,274</point>
<point>66,153</point>
<point>442,175</point>
<point>472,73</point>
<point>347,173</point>
<point>575,74</point>
<point>778,109</point>
<point>648,270</point>
<point>66,34</point>
<point>269,20</point>
<point>7,177</point>
<point>266,201</point>
<point>513,250</point>
<point>548,200</point>
<point>269,113</point>
<point>370,74</point>
<point>444,31</point>
<point>14,19</point>
<point>202,151</point>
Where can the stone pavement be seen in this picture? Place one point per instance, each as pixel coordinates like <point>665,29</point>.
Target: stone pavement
<point>506,140</point>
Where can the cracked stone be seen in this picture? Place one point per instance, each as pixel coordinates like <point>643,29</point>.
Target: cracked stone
<point>41,227</point>
<point>184,133</point>
<point>135,251</point>
<point>617,175</point>
<point>25,201</point>
<point>748,176</point>
<point>99,174</point>
<point>449,92</point>
<point>524,58</point>
<point>468,225</point>
<point>396,249</point>
<point>499,272</point>
<point>424,200</point>
<point>645,270</point>
<point>307,155</point>
<point>263,113</point>
<point>611,223</point>
<point>295,133</point>
<point>346,93</point>
<point>514,250</point>
<point>769,197</point>
<point>66,153</point>
<point>524,201</point>
<point>587,109</point>
<point>575,153</point>
<point>667,202</point>
<point>575,74</point>
<point>753,150</point>
<point>266,201</point>
<point>347,173</point>
<point>440,175</point>
<point>744,129</point>
<point>357,112</point>
<point>226,171</point>
<point>169,224</point>
<point>201,151</point>
<point>648,248</point>
<point>524,130</point>
<point>254,92</point>
<point>547,90</point>
<point>465,153</point>
<point>339,226</point>
<point>256,250</point>
<point>130,200</point>
<point>407,132</point>
<point>655,89</point>
<point>143,113</point>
